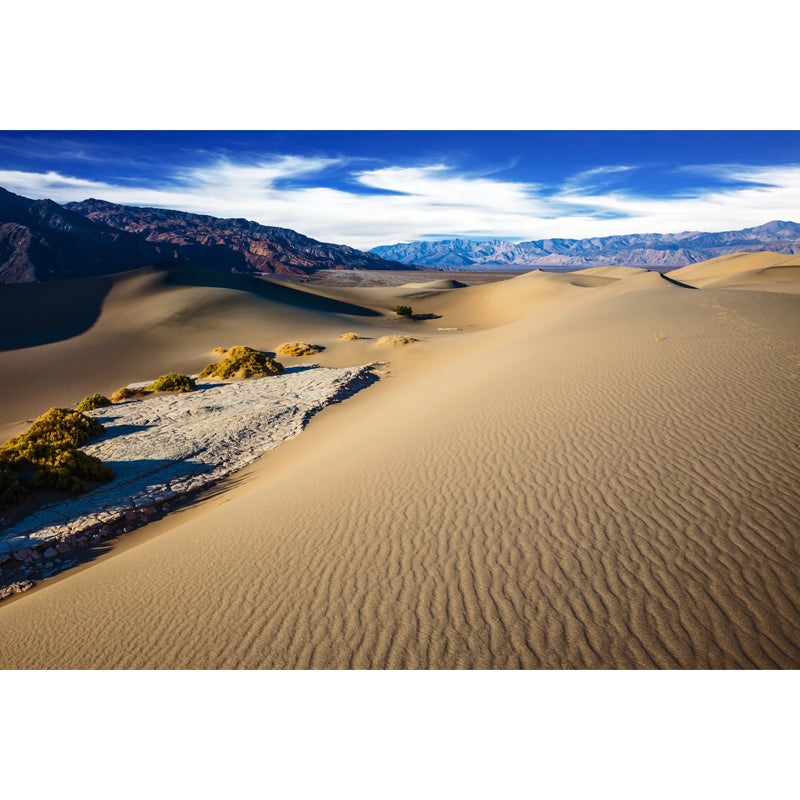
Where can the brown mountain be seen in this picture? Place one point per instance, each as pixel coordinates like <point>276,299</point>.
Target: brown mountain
<point>232,244</point>
<point>41,240</point>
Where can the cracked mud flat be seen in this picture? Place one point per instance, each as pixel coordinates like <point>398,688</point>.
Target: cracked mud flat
<point>168,446</point>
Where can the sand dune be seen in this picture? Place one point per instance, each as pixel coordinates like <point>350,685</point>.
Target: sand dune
<point>743,270</point>
<point>599,470</point>
<point>612,272</point>
<point>444,283</point>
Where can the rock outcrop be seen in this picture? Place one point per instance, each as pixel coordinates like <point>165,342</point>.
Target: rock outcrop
<point>164,449</point>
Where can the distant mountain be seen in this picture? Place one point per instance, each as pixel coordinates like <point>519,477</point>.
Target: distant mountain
<point>41,240</point>
<point>231,244</point>
<point>656,250</point>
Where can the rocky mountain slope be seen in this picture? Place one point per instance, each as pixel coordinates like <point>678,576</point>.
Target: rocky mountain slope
<point>239,244</point>
<point>41,240</point>
<point>670,250</point>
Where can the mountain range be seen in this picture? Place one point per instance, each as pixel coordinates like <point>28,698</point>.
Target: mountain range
<point>41,240</point>
<point>654,250</point>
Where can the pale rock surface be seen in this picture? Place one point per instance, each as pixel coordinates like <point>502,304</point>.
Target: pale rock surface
<point>171,445</point>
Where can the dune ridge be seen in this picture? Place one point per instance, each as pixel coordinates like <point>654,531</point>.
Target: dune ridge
<point>591,474</point>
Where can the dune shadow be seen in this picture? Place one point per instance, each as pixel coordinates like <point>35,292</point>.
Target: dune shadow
<point>420,317</point>
<point>677,283</point>
<point>33,314</point>
<point>262,286</point>
<point>112,431</point>
<point>299,368</point>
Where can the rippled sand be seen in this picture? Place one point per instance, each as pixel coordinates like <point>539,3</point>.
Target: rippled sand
<point>598,470</point>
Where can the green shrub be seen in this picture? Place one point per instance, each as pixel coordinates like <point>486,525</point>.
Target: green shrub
<point>298,349</point>
<point>126,394</point>
<point>403,311</point>
<point>62,428</point>
<point>244,362</point>
<point>172,382</point>
<point>49,449</point>
<point>11,490</point>
<point>93,401</point>
<point>394,339</point>
<point>65,470</point>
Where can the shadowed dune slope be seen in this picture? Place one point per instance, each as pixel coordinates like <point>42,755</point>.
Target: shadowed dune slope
<point>35,313</point>
<point>606,481</point>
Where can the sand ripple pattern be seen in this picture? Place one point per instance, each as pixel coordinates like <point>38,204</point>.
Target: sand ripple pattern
<point>590,497</point>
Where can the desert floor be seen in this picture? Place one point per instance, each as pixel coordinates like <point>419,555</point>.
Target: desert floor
<point>597,469</point>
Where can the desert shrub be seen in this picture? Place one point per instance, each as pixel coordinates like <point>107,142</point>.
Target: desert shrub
<point>298,349</point>
<point>65,470</point>
<point>219,350</point>
<point>245,362</point>
<point>395,339</point>
<point>93,401</point>
<point>172,382</point>
<point>350,335</point>
<point>403,311</point>
<point>62,428</point>
<point>126,394</point>
<point>11,490</point>
<point>49,449</point>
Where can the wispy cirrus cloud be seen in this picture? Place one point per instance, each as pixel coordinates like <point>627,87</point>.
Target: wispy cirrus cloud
<point>591,179</point>
<point>393,203</point>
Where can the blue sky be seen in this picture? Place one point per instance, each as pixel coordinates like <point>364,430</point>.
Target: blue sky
<point>366,188</point>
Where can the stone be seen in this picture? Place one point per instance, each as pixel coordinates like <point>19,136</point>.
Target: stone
<point>15,588</point>
<point>50,552</point>
<point>63,547</point>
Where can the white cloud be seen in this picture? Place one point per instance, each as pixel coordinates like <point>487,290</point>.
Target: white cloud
<point>436,201</point>
<point>773,193</point>
<point>588,179</point>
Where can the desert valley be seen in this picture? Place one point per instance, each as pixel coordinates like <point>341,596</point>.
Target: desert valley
<point>595,468</point>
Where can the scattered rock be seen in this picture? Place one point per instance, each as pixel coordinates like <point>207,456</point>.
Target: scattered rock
<point>15,588</point>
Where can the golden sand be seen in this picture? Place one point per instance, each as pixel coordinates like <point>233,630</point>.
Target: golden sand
<point>599,470</point>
